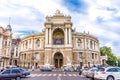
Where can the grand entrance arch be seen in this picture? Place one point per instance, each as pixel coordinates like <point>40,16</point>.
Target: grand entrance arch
<point>58,37</point>
<point>58,60</point>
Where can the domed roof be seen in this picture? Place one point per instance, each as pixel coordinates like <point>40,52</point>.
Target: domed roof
<point>8,28</point>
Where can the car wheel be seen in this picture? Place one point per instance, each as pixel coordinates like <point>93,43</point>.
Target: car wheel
<point>110,78</point>
<point>18,78</point>
<point>24,76</point>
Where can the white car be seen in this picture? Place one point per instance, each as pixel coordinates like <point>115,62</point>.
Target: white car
<point>108,73</point>
<point>85,71</point>
<point>90,72</point>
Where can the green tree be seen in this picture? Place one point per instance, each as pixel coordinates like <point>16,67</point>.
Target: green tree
<point>111,57</point>
<point>111,62</point>
<point>107,51</point>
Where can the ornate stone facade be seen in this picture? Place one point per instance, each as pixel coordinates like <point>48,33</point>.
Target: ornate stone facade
<point>15,51</point>
<point>5,46</point>
<point>59,45</point>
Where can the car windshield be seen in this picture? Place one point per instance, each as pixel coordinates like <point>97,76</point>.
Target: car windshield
<point>22,70</point>
<point>86,69</point>
<point>101,69</point>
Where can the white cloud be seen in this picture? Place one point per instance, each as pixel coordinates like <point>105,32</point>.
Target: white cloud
<point>107,29</point>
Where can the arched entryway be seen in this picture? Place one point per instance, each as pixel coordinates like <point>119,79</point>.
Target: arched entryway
<point>58,60</point>
<point>36,65</point>
<point>103,62</point>
<point>15,63</point>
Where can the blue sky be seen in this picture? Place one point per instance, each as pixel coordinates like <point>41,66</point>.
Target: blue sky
<point>100,18</point>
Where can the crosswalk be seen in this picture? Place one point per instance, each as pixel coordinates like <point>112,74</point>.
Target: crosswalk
<point>38,75</point>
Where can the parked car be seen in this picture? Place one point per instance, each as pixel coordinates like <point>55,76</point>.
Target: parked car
<point>45,68</point>
<point>24,72</point>
<point>90,72</point>
<point>7,67</point>
<point>85,71</point>
<point>11,66</point>
<point>108,73</point>
<point>68,69</point>
<point>11,73</point>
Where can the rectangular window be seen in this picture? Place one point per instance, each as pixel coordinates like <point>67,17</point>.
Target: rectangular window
<point>36,56</point>
<point>96,56</point>
<point>92,55</point>
<point>80,55</point>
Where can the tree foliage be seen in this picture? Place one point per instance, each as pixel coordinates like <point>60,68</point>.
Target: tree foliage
<point>111,57</point>
<point>111,62</point>
<point>107,51</point>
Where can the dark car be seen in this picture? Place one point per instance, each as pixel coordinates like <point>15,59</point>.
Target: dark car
<point>11,73</point>
<point>24,72</point>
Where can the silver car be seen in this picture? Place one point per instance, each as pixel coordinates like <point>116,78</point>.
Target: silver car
<point>108,73</point>
<point>90,72</point>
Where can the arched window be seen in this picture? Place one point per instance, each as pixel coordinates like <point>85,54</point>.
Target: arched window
<point>79,43</point>
<point>87,43</point>
<point>80,55</point>
<point>92,55</point>
<point>91,44</point>
<point>24,56</point>
<point>58,37</point>
<point>6,43</point>
<point>37,43</point>
<point>30,44</point>
<point>26,45</point>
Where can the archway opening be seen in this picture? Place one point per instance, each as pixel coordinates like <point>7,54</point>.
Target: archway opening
<point>16,63</point>
<point>58,37</point>
<point>58,60</point>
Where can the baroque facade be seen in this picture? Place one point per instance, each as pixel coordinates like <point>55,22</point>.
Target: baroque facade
<point>59,45</point>
<point>15,51</point>
<point>5,45</point>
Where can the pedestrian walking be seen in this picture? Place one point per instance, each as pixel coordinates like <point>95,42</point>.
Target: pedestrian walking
<point>33,68</point>
<point>65,70</point>
<point>79,70</point>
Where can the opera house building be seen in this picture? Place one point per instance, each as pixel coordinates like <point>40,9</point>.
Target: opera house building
<point>58,44</point>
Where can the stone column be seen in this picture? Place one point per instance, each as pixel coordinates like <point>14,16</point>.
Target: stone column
<point>70,38</point>
<point>66,40</point>
<point>46,36</point>
<point>32,44</point>
<point>7,42</point>
<point>23,46</point>
<point>40,43</point>
<point>28,44</point>
<point>50,37</point>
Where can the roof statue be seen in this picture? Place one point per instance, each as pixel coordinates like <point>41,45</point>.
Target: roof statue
<point>58,13</point>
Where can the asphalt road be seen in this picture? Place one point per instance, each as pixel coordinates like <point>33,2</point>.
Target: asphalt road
<point>37,75</point>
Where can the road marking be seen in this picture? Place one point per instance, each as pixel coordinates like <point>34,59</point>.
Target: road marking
<point>58,78</point>
<point>74,75</point>
<point>37,75</point>
<point>54,74</point>
<point>44,74</point>
<point>59,74</point>
<point>69,74</point>
<point>49,74</point>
